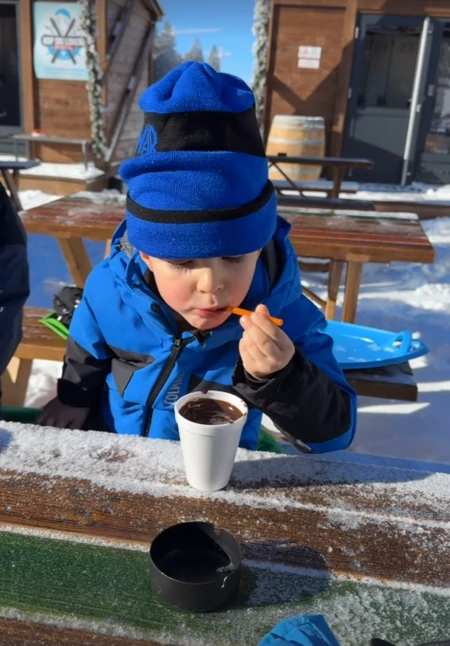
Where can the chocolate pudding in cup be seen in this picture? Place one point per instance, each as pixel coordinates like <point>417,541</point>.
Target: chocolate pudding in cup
<point>210,426</point>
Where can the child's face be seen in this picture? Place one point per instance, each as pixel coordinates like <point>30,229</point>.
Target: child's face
<point>198,290</point>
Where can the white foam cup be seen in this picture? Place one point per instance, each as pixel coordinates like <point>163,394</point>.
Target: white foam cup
<point>209,450</point>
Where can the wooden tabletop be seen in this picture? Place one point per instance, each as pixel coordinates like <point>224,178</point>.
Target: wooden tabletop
<point>360,236</point>
<point>374,237</point>
<point>344,162</point>
<point>93,218</point>
<point>319,536</point>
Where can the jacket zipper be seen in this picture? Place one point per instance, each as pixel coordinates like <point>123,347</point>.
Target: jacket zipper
<point>178,346</point>
<point>177,349</point>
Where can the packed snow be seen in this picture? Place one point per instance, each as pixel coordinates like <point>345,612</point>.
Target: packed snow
<point>68,171</point>
<point>396,297</point>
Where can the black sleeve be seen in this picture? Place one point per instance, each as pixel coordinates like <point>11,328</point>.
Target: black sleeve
<point>14,279</point>
<point>303,402</point>
<point>83,377</point>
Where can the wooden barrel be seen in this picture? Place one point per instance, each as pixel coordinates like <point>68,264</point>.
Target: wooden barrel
<point>296,136</point>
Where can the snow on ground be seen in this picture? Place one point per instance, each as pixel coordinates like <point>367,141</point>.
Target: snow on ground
<point>406,296</point>
<point>399,296</point>
<point>415,192</point>
<point>69,171</point>
<point>31,198</point>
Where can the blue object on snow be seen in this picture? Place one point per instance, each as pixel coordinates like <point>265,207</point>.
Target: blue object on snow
<point>310,630</point>
<point>356,346</point>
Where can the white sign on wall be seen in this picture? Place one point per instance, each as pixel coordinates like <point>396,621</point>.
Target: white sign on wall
<point>312,63</point>
<point>58,46</point>
<point>309,56</point>
<point>305,51</point>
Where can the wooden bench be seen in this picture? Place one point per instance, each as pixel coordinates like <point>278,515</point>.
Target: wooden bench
<point>391,382</point>
<point>314,201</point>
<point>314,186</point>
<point>50,139</point>
<point>39,342</point>
<point>338,166</point>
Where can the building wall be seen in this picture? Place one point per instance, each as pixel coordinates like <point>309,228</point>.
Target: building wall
<point>119,74</point>
<point>133,124</point>
<point>295,90</point>
<point>61,108</point>
<point>331,25</point>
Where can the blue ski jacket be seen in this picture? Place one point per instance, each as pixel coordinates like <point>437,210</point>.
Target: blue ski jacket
<point>125,348</point>
<point>306,630</point>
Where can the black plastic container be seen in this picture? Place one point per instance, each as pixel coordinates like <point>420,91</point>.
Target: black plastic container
<point>194,568</point>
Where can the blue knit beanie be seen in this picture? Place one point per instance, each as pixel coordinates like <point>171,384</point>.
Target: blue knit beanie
<point>198,186</point>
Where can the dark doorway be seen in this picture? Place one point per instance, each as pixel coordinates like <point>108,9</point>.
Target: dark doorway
<point>10,94</point>
<point>384,67</point>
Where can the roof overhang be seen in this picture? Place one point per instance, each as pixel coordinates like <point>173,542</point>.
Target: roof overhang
<point>155,9</point>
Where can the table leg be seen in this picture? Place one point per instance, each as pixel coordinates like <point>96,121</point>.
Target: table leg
<point>12,188</point>
<point>334,281</point>
<point>15,381</point>
<point>85,148</point>
<point>77,260</point>
<point>316,267</point>
<point>352,285</point>
<point>107,248</point>
<point>338,176</point>
<point>286,177</point>
<point>316,299</point>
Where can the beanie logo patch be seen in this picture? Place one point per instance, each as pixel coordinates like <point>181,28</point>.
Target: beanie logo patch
<point>148,141</point>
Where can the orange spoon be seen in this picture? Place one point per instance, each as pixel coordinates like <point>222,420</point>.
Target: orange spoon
<point>241,312</point>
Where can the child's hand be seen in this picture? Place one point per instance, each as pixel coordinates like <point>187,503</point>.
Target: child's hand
<point>264,347</point>
<point>57,414</point>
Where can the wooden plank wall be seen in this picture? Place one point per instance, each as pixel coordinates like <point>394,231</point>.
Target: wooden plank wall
<point>62,109</point>
<point>118,76</point>
<point>294,90</point>
<point>329,24</point>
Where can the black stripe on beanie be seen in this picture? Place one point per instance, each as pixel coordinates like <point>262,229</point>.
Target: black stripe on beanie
<point>194,217</point>
<point>207,131</point>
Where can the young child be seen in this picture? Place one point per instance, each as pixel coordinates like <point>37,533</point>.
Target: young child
<point>201,233</point>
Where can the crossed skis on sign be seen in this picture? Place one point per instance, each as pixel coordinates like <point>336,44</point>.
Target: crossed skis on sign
<point>66,35</point>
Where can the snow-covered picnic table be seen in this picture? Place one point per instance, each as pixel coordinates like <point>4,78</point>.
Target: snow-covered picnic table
<point>366,546</point>
<point>352,238</point>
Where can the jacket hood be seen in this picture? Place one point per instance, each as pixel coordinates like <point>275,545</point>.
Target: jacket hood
<point>129,269</point>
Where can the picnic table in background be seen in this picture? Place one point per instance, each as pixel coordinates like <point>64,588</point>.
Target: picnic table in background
<point>10,171</point>
<point>357,542</point>
<point>344,237</point>
<point>351,238</point>
<point>72,218</point>
<point>53,140</point>
<point>339,166</point>
<point>355,238</point>
<point>301,201</point>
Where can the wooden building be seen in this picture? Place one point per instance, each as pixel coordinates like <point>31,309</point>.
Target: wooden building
<point>378,71</point>
<point>47,96</point>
